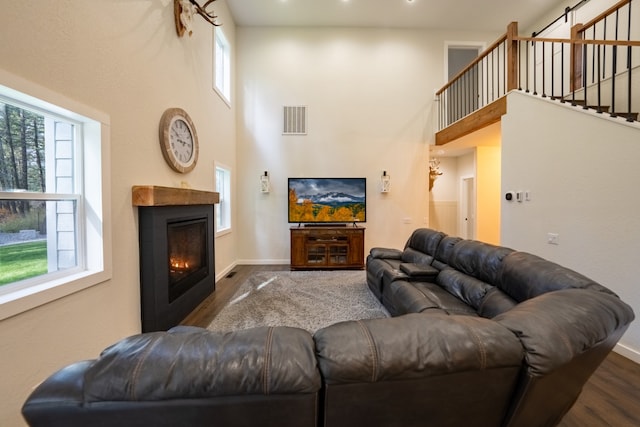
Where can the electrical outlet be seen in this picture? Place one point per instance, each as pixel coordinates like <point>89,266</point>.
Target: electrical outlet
<point>553,238</point>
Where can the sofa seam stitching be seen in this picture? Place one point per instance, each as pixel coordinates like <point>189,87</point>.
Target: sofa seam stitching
<point>267,362</point>
<point>137,369</point>
<point>372,349</point>
<point>481,349</point>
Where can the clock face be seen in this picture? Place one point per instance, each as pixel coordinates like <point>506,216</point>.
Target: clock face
<point>181,141</point>
<point>178,140</point>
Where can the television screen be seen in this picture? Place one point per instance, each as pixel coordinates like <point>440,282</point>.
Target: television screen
<point>327,200</point>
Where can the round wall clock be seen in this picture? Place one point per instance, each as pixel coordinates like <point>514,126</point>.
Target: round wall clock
<point>178,140</point>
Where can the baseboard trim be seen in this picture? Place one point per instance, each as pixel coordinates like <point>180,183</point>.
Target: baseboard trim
<point>221,275</point>
<point>627,352</point>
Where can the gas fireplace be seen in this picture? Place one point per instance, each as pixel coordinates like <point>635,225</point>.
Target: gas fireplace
<point>187,247</point>
<point>176,260</point>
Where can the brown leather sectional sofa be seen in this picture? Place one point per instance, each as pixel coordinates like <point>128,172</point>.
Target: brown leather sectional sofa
<point>481,335</point>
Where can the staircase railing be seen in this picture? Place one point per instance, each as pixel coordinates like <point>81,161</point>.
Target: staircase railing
<point>482,82</point>
<point>597,67</point>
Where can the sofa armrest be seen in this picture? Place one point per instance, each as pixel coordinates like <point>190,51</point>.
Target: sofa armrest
<point>558,326</point>
<point>413,346</point>
<point>385,253</point>
<point>419,272</point>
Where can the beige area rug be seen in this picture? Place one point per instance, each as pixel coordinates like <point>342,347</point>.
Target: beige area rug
<point>309,300</point>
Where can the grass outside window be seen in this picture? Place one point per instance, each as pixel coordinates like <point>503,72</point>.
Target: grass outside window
<point>21,261</point>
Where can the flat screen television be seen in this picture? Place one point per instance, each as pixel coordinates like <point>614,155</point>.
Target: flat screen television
<point>327,200</point>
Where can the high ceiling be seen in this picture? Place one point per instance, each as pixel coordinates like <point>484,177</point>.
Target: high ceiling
<point>487,15</point>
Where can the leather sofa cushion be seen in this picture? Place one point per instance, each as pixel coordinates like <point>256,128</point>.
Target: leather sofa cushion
<point>403,297</point>
<point>413,256</point>
<point>480,260</point>
<point>525,276</point>
<point>466,288</point>
<point>443,253</point>
<point>495,302</point>
<point>444,299</point>
<point>193,363</point>
<point>486,299</point>
<point>425,240</point>
<point>413,346</point>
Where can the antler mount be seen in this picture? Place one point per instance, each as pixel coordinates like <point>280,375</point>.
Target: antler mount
<point>184,10</point>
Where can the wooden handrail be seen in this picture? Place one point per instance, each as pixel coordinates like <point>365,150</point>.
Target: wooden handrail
<point>604,14</point>
<point>474,62</point>
<point>580,41</point>
<point>534,39</point>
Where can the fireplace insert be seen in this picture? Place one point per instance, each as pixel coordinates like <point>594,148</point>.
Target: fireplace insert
<point>176,262</point>
<point>187,241</point>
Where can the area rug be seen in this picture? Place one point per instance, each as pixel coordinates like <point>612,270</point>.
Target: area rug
<point>309,300</point>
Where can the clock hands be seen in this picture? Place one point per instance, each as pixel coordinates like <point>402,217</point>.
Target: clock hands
<point>179,140</point>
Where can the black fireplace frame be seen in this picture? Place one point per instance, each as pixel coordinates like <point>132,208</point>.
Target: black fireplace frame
<point>157,311</point>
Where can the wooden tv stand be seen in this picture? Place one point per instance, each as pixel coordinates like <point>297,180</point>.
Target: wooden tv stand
<point>327,248</point>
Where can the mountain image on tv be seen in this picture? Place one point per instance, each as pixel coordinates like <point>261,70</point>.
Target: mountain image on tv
<point>315,200</point>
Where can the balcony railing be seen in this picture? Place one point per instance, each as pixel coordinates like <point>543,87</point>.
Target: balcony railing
<point>597,67</point>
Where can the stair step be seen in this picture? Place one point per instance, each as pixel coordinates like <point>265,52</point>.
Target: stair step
<point>602,108</point>
<point>632,117</point>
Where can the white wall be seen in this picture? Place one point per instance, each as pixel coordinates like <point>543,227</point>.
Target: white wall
<point>582,171</point>
<point>369,94</point>
<point>122,58</point>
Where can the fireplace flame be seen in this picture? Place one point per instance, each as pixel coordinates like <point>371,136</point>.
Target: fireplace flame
<point>178,265</point>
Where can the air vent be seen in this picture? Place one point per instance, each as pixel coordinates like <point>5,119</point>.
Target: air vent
<point>295,120</point>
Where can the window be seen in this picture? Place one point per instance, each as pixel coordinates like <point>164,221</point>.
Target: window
<point>53,238</point>
<point>222,65</point>
<point>223,209</point>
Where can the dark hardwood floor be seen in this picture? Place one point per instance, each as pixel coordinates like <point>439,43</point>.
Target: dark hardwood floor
<point>611,398</point>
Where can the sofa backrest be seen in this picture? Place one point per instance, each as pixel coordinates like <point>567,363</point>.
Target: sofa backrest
<point>480,260</point>
<point>470,271</point>
<point>443,253</point>
<point>196,363</point>
<point>397,371</point>
<point>421,246</point>
<point>187,377</point>
<point>525,276</point>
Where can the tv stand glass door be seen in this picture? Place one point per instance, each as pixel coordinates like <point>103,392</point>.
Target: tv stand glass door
<point>327,248</point>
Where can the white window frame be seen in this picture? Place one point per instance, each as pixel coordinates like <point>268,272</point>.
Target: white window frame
<point>93,204</point>
<point>222,65</point>
<point>223,208</point>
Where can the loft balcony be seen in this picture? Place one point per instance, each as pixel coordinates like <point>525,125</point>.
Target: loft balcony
<point>596,67</point>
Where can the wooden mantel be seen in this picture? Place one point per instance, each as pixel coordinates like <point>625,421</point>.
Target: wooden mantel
<point>152,195</point>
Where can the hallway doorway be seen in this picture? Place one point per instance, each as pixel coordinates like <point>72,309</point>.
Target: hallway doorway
<point>467,208</point>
